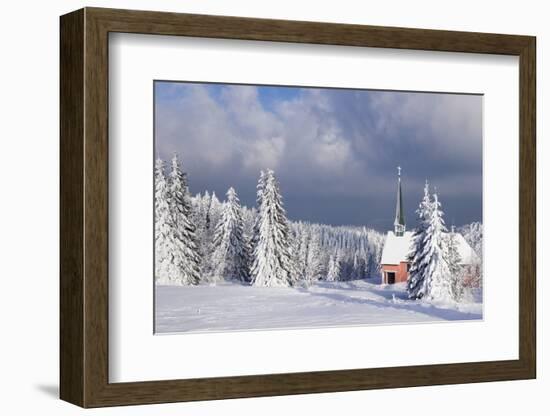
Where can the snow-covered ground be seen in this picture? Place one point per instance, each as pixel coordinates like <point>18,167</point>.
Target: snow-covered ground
<point>232,306</point>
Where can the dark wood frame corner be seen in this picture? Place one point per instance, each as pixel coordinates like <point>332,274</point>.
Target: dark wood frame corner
<point>84,207</point>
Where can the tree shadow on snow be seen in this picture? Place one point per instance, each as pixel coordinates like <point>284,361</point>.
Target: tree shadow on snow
<point>386,291</point>
<point>401,303</point>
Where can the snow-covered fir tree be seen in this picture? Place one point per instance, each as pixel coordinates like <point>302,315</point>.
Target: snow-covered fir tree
<point>200,205</point>
<point>314,262</point>
<point>334,268</point>
<point>372,263</point>
<point>294,243</point>
<point>302,240</point>
<point>185,253</point>
<point>163,226</point>
<point>455,268</point>
<point>356,272</point>
<point>296,249</point>
<point>437,282</point>
<point>249,218</point>
<point>255,234</point>
<point>214,212</point>
<point>416,284</point>
<point>230,249</point>
<point>211,212</point>
<point>272,252</point>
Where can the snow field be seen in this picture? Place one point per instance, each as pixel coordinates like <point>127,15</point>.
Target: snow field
<point>238,307</point>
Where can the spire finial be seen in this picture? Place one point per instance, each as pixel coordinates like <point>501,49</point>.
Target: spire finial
<point>399,171</point>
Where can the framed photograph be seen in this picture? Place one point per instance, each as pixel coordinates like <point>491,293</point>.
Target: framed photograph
<point>255,207</point>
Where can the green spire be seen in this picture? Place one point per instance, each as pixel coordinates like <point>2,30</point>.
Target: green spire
<point>399,223</point>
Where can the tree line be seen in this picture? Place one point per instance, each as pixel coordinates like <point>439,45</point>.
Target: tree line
<point>200,239</point>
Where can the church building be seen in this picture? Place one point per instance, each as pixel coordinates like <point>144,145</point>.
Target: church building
<point>394,262</point>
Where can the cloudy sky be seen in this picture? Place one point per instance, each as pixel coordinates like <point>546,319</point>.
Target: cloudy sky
<point>334,151</point>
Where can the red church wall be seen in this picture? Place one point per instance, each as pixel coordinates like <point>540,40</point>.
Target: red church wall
<point>400,270</point>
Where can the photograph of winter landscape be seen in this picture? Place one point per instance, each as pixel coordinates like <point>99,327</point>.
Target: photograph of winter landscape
<point>282,207</point>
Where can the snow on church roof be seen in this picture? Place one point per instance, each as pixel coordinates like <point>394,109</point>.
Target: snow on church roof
<point>467,254</point>
<point>397,248</point>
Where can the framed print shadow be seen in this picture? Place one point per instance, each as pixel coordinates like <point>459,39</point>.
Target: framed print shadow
<point>254,207</point>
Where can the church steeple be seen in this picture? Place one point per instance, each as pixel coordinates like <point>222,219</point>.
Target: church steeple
<point>399,222</point>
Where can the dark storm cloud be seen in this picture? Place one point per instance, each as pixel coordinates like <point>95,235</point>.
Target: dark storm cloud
<point>334,151</point>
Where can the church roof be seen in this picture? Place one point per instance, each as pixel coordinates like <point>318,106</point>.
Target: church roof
<point>397,248</point>
<point>467,253</point>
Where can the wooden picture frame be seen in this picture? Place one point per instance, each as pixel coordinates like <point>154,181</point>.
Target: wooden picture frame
<point>84,207</point>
